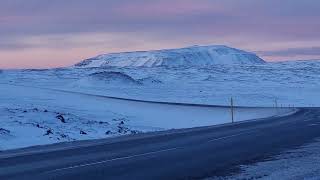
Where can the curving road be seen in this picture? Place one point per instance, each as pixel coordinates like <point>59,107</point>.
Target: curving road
<point>177,154</point>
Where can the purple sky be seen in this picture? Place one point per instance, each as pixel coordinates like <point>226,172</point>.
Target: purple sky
<point>51,33</point>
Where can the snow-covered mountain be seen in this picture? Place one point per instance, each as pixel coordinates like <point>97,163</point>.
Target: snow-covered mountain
<point>189,56</point>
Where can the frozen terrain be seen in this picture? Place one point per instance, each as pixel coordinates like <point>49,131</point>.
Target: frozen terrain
<point>287,83</point>
<point>297,164</point>
<point>189,57</point>
<point>34,116</point>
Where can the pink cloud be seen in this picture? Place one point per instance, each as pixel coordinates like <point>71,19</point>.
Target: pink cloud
<point>247,24</point>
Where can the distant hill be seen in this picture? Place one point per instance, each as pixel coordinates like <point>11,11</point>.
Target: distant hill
<point>189,56</point>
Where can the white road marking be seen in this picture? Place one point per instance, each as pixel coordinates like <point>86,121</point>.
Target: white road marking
<point>227,137</point>
<point>149,153</point>
<point>115,159</point>
<point>144,154</point>
<point>313,124</point>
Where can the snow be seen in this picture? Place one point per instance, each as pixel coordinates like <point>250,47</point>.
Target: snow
<point>34,116</point>
<point>301,163</point>
<point>189,56</point>
<point>288,83</point>
<point>29,110</point>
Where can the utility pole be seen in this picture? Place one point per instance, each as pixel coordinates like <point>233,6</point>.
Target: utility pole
<point>232,110</point>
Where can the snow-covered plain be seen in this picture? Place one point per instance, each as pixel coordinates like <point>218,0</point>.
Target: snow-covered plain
<point>289,83</point>
<point>35,116</point>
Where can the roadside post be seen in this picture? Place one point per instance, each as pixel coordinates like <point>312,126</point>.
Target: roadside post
<point>232,110</point>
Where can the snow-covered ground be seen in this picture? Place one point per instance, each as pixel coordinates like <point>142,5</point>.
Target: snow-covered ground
<point>34,116</point>
<point>288,83</point>
<point>297,164</point>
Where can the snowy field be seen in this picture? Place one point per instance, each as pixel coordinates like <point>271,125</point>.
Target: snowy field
<point>288,83</point>
<point>33,116</point>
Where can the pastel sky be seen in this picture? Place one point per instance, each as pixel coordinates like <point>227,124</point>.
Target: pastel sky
<point>54,33</point>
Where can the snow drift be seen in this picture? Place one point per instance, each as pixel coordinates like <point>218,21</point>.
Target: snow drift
<point>189,56</point>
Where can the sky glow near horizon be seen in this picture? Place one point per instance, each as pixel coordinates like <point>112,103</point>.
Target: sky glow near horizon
<point>46,33</point>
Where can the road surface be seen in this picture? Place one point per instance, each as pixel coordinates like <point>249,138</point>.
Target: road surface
<point>177,154</point>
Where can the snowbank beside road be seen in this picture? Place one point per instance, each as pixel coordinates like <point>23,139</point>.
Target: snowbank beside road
<point>297,164</point>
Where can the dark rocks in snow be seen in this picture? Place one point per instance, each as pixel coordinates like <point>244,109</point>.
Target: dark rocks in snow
<point>108,132</point>
<point>61,118</point>
<point>37,125</point>
<point>45,110</point>
<point>84,63</point>
<point>49,131</point>
<point>120,119</point>
<point>122,129</point>
<point>4,131</point>
<point>82,132</point>
<point>101,122</point>
<point>149,80</point>
<point>134,132</point>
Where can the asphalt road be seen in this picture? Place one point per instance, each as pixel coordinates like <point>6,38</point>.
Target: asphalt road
<point>177,154</point>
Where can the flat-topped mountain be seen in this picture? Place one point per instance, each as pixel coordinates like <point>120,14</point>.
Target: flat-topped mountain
<point>188,56</point>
